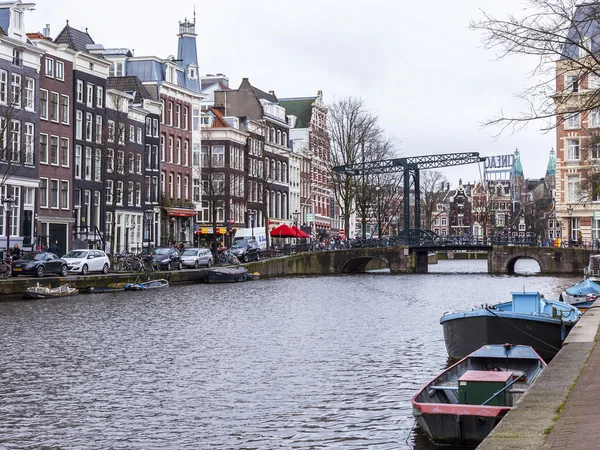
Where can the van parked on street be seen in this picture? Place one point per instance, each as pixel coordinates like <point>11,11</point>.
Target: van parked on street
<point>246,235</point>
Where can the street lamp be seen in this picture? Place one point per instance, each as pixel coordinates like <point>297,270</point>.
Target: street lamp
<point>296,215</point>
<point>377,189</point>
<point>251,217</point>
<point>148,218</point>
<point>7,204</point>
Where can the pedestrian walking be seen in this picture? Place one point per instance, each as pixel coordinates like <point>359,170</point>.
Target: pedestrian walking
<point>54,248</point>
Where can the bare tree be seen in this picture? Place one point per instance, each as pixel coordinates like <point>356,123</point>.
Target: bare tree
<point>432,184</point>
<point>356,138</point>
<point>562,35</point>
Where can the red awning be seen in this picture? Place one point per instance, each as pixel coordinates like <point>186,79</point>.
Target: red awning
<point>181,212</point>
<point>299,232</point>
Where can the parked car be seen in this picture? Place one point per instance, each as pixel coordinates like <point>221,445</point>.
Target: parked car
<point>166,258</point>
<point>85,261</point>
<point>246,250</point>
<point>39,264</point>
<point>195,257</point>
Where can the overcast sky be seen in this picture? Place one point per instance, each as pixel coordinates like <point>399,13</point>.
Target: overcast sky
<point>415,64</point>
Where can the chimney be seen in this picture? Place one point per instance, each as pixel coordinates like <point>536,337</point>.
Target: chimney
<point>272,93</point>
<point>46,31</point>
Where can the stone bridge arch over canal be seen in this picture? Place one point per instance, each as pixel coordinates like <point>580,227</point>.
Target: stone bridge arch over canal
<point>552,260</point>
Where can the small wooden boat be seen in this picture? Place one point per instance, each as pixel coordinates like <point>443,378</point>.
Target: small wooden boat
<point>112,287</point>
<point>462,405</point>
<point>582,295</point>
<point>529,319</point>
<point>253,276</point>
<point>226,274</point>
<point>38,291</point>
<point>154,284</point>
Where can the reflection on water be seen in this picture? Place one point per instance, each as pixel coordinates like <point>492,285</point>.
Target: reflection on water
<point>316,362</point>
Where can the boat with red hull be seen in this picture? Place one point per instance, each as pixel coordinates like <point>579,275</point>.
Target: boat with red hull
<point>463,404</point>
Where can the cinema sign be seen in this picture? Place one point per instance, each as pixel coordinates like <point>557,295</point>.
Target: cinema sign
<point>499,162</point>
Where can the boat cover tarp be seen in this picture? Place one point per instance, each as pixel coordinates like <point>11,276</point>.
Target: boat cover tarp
<point>584,287</point>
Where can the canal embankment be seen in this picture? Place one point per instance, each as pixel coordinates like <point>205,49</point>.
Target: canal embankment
<point>547,415</point>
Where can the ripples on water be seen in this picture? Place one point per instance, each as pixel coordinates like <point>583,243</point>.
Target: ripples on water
<point>324,362</point>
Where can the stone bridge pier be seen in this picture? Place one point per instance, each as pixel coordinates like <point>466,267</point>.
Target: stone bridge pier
<point>552,260</point>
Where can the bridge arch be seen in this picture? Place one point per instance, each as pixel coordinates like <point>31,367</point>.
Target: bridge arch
<point>359,264</point>
<point>510,265</point>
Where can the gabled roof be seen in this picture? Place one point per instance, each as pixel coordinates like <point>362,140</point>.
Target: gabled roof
<point>38,36</point>
<point>299,107</point>
<point>585,25</point>
<point>219,121</point>
<point>130,84</point>
<point>263,95</point>
<point>75,39</point>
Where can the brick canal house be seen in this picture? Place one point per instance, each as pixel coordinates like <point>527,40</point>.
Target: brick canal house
<point>55,209</point>
<point>310,139</point>
<point>259,106</point>
<point>577,149</point>
<point>174,83</point>
<point>19,126</point>
<point>143,103</point>
<point>90,71</point>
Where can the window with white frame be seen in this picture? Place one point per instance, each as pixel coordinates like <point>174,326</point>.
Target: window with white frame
<point>155,127</point>
<point>573,121</point>
<point>109,192</point>
<point>131,134</point>
<point>29,136</point>
<point>43,192</point>
<point>53,194</point>
<point>98,128</point>
<point>89,126</point>
<point>111,131</point>
<point>43,104</point>
<point>131,163</point>
<point>138,164</point>
<point>573,184</point>
<point>119,193</point>
<point>4,87</point>
<point>185,117</point>
<point>171,185</point>
<point>49,67</point>
<point>99,97</point>
<point>218,156</point>
<point>15,85</point>
<point>196,119</point>
<point>54,150</point>
<point>178,151</point>
<point>186,153</point>
<point>29,94</point>
<point>120,162</point>
<point>43,148</point>
<point>78,157</point>
<point>88,163</point>
<point>572,83</point>
<point>573,149</point>
<point>170,149</point>
<point>64,109</point>
<point>64,152</point>
<point>15,138</point>
<point>79,124</point>
<point>60,70</point>
<point>54,106</point>
<point>90,95</point>
<point>130,193</point>
<point>97,165</point>
<point>64,194</point>
<point>138,194</point>
<point>140,132</point>
<point>110,160</point>
<point>178,115</point>
<point>80,91</point>
<point>178,186</point>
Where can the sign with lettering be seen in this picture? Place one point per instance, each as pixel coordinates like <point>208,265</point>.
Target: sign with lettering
<point>498,168</point>
<point>499,162</point>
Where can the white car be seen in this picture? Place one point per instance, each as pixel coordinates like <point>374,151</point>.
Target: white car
<point>195,257</point>
<point>85,261</point>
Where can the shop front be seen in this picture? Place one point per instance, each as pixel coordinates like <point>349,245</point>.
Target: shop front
<point>205,236</point>
<point>177,225</point>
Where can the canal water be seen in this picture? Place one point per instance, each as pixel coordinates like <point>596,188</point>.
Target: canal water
<point>319,362</point>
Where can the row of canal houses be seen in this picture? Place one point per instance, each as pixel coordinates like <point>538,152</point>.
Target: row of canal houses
<point>105,149</point>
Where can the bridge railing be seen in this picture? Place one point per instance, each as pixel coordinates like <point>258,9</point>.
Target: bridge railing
<point>442,241</point>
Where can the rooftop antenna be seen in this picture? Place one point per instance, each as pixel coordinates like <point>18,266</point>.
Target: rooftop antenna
<point>194,14</point>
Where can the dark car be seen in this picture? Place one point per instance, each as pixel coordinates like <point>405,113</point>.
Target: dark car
<point>166,258</point>
<point>246,250</point>
<point>39,264</point>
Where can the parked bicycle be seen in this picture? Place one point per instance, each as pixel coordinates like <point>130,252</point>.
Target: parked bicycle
<point>5,267</point>
<point>128,262</point>
<point>226,257</point>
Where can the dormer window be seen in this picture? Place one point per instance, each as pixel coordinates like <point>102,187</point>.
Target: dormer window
<point>116,69</point>
<point>17,58</point>
<point>192,73</point>
<point>17,20</point>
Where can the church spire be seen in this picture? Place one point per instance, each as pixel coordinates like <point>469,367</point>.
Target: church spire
<point>551,168</point>
<point>517,166</point>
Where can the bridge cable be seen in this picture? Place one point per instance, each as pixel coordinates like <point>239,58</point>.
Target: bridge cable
<point>528,334</point>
